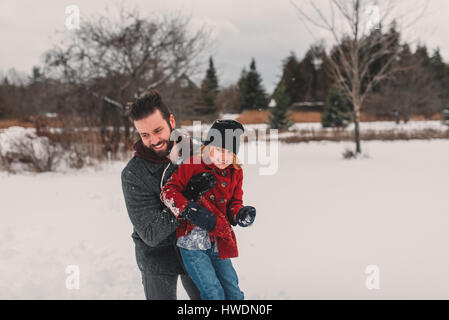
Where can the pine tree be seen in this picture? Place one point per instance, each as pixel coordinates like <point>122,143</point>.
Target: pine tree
<point>291,78</point>
<point>307,80</point>
<point>251,92</point>
<point>209,90</point>
<point>336,113</point>
<point>242,89</point>
<point>36,74</point>
<point>280,114</point>
<point>308,77</point>
<point>440,70</point>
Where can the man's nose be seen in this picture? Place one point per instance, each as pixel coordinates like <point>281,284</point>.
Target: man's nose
<point>154,140</point>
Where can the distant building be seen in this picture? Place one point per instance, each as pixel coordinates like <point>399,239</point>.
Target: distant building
<point>186,82</point>
<point>308,106</point>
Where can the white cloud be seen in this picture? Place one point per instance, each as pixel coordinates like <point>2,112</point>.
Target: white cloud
<point>267,30</point>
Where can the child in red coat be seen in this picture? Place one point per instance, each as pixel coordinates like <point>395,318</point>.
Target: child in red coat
<point>205,236</point>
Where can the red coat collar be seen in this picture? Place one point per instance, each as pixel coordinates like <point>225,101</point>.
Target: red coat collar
<point>213,167</point>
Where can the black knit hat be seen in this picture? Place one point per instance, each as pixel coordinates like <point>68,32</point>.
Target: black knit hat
<point>225,134</point>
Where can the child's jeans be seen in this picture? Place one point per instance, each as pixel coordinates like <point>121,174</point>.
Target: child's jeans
<point>215,278</point>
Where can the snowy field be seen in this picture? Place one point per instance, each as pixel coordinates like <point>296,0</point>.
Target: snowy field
<point>321,221</point>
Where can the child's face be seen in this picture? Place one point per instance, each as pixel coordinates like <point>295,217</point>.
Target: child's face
<point>221,158</point>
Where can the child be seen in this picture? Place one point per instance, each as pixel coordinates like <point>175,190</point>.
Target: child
<point>205,236</point>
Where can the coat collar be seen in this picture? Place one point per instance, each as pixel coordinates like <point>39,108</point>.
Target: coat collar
<point>214,168</point>
<point>152,167</point>
<point>152,162</point>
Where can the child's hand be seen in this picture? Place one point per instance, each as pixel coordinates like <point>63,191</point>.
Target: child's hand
<point>198,185</point>
<point>246,216</point>
<point>199,216</point>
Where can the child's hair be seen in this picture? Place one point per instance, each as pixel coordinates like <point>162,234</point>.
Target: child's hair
<point>235,160</point>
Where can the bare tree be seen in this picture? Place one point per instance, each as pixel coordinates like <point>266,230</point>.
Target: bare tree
<point>118,59</point>
<point>228,99</point>
<point>357,49</point>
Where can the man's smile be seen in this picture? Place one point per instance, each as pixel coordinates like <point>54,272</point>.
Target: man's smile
<point>159,146</point>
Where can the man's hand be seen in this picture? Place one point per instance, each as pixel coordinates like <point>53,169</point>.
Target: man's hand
<point>199,216</point>
<point>198,185</point>
<point>246,216</point>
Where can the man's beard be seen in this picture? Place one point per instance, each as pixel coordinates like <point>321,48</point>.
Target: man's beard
<point>163,153</point>
<point>166,152</point>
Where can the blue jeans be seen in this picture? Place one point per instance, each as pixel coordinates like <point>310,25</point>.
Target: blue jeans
<point>215,278</point>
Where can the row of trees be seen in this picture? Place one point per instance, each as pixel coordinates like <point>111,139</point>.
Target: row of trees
<point>364,57</point>
<point>420,87</point>
<point>40,94</point>
<point>90,79</point>
<point>107,63</point>
<point>420,84</point>
<point>247,94</point>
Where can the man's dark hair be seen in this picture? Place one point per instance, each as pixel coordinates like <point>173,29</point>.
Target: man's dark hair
<point>147,104</point>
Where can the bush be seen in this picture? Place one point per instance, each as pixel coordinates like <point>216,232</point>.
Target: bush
<point>280,115</point>
<point>336,113</point>
<point>22,150</point>
<point>349,154</point>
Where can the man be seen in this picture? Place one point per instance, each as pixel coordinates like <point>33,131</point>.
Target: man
<point>154,235</point>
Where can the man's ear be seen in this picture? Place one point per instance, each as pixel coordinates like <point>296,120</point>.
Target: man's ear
<point>172,121</point>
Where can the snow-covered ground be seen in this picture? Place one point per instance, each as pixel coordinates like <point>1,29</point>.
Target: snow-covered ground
<point>321,221</point>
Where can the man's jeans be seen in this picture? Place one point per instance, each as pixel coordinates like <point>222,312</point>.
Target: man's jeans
<point>215,278</point>
<point>163,287</point>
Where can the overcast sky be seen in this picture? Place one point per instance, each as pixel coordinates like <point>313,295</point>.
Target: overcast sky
<point>265,29</point>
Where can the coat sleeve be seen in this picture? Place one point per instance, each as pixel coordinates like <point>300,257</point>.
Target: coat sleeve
<point>152,222</point>
<point>236,202</point>
<point>171,194</point>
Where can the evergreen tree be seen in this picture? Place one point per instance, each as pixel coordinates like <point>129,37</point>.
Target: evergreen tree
<point>251,92</point>
<point>242,89</point>
<point>36,74</point>
<point>209,89</point>
<point>280,114</point>
<point>308,79</point>
<point>440,69</point>
<point>323,80</point>
<point>423,55</point>
<point>337,111</point>
<point>291,78</point>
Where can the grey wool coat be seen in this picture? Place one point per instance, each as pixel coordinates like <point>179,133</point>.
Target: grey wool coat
<point>154,225</point>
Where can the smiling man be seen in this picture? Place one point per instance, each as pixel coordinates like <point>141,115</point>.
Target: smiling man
<point>157,255</point>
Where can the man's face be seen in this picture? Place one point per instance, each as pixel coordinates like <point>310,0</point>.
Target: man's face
<point>155,132</point>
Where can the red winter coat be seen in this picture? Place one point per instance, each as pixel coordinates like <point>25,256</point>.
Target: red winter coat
<point>225,198</point>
